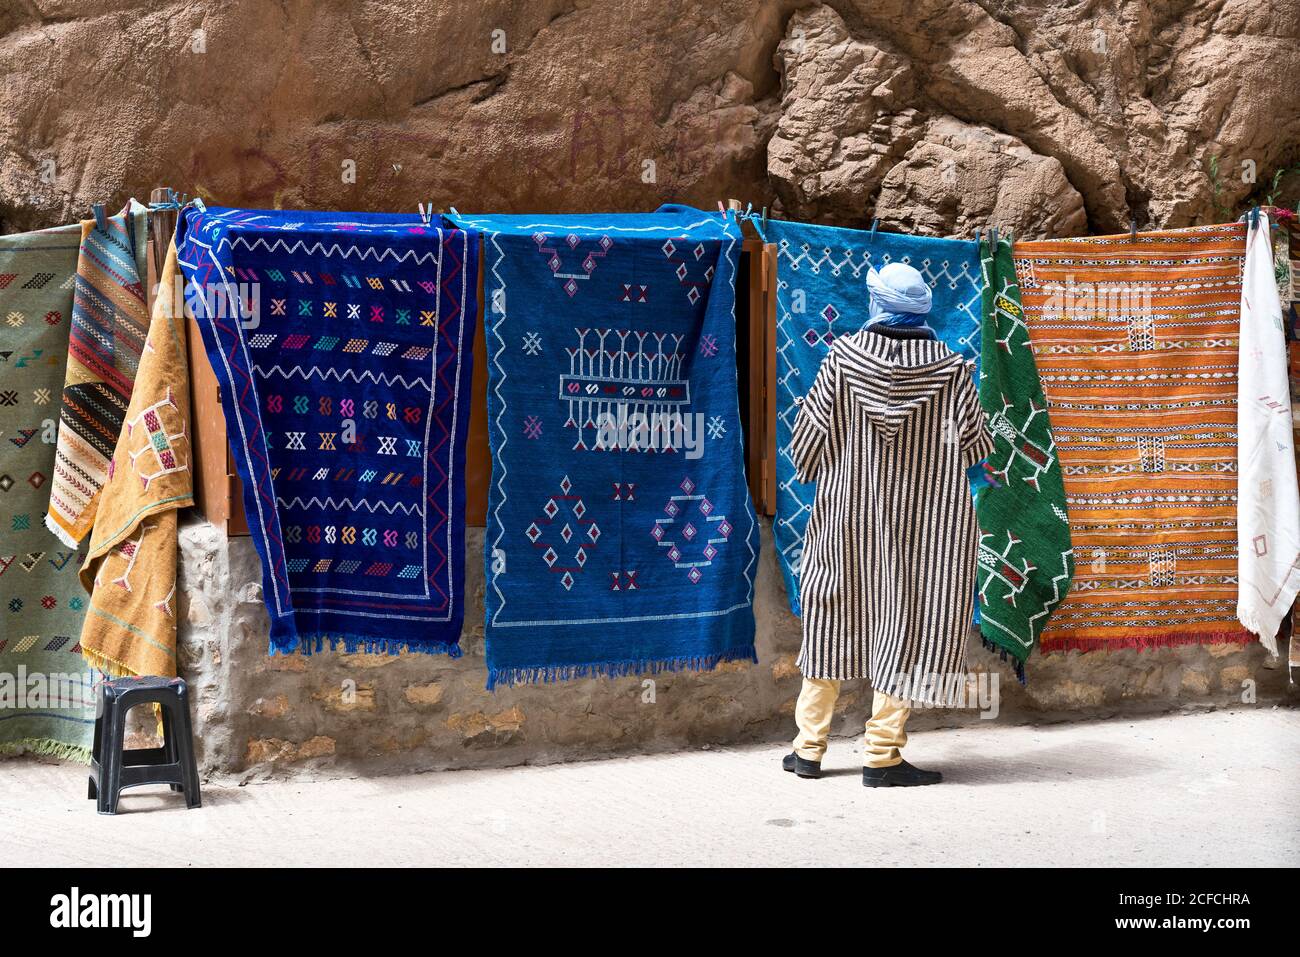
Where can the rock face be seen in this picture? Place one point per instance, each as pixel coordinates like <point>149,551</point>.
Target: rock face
<point>1050,118</point>
<point>938,116</point>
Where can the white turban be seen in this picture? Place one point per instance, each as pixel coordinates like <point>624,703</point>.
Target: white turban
<point>899,295</point>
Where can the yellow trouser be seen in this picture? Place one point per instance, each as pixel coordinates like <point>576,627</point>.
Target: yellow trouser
<point>885,733</point>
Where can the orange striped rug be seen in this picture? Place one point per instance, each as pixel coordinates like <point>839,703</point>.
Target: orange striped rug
<point>1136,344</point>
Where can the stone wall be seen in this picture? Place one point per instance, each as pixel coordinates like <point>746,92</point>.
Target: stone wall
<point>259,716</point>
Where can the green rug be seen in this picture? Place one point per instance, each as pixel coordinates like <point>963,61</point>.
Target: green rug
<point>1025,562</point>
<point>46,699</point>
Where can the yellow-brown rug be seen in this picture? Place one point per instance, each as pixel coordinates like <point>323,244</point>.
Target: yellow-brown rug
<point>130,627</point>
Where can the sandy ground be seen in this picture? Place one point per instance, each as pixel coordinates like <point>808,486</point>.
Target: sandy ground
<point>1183,789</point>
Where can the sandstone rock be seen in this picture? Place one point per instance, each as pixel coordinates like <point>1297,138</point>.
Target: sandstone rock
<point>407,740</point>
<point>1224,650</point>
<point>960,178</point>
<point>863,101</point>
<point>1123,108</point>
<point>1232,677</point>
<point>476,724</point>
<point>197,612</point>
<point>270,707</point>
<point>425,695</point>
<point>847,116</point>
<point>361,659</point>
<point>731,667</point>
<point>266,750</point>
<point>346,696</point>
<point>1069,694</point>
<point>784,667</point>
<point>416,95</point>
<point>1195,682</point>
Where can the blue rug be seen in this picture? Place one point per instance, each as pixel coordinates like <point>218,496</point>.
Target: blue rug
<point>822,294</point>
<point>342,343</point>
<point>617,542</point>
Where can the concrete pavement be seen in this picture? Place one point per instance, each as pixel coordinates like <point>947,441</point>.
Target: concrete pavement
<point>1198,789</point>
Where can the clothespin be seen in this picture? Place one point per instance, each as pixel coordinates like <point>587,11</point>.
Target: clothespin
<point>454,210</point>
<point>765,217</point>
<point>1133,230</point>
<point>97,210</point>
<point>977,235</point>
<point>426,215</point>
<point>874,224</point>
<point>722,208</point>
<point>198,204</point>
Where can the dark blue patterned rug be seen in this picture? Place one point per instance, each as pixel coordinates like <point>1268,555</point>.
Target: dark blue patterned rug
<point>342,344</point>
<point>621,538</point>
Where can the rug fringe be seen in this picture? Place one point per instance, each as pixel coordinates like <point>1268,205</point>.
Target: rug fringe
<point>57,531</point>
<point>310,643</point>
<point>615,669</point>
<point>1015,662</point>
<point>1144,642</point>
<point>47,747</point>
<point>109,666</point>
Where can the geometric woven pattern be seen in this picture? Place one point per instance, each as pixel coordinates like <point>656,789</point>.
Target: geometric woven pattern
<point>1025,561</point>
<point>41,601</point>
<point>109,324</point>
<point>821,296</point>
<point>342,343</point>
<point>621,538</point>
<point>1136,347</point>
<point>130,568</point>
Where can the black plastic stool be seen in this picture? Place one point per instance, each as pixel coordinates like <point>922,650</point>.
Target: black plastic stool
<point>114,768</point>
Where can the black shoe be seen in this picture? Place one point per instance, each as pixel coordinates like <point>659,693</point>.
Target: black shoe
<point>901,775</point>
<point>801,766</point>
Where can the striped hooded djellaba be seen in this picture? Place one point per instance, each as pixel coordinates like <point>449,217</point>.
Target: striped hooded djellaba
<point>888,569</point>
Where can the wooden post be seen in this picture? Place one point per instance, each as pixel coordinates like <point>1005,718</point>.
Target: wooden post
<point>478,457</point>
<point>218,494</point>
